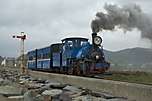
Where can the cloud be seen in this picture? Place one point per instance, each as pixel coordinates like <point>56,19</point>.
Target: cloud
<point>49,21</point>
<point>44,21</point>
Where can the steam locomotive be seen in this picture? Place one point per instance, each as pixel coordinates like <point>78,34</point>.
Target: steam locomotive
<point>75,55</point>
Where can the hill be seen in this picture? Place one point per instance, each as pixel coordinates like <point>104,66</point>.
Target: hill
<point>133,57</point>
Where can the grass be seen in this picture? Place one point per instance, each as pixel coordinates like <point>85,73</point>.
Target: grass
<point>133,77</point>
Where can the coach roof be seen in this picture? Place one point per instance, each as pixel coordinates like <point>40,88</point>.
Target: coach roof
<point>75,38</point>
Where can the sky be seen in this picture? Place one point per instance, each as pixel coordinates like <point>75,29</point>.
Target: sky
<point>48,21</point>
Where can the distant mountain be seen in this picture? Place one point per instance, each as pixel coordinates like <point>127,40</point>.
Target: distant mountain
<point>130,57</point>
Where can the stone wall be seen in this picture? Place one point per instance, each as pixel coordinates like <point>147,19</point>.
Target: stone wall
<point>137,92</point>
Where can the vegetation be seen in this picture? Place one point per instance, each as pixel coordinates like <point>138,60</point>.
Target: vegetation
<point>133,77</point>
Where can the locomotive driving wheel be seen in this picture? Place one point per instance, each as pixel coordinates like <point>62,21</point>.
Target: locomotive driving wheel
<point>76,68</point>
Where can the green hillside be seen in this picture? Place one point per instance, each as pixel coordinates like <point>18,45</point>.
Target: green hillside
<point>133,56</point>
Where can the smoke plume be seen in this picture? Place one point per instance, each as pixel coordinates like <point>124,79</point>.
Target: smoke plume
<point>126,17</point>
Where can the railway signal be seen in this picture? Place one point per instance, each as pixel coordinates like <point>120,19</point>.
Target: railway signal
<point>22,38</point>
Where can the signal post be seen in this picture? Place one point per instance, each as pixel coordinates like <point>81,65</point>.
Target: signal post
<point>22,38</point>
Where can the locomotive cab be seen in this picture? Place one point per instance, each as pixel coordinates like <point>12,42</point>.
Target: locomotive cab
<point>74,42</point>
<point>71,47</point>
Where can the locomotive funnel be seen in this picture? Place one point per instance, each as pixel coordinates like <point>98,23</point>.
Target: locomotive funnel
<point>96,40</point>
<point>94,34</point>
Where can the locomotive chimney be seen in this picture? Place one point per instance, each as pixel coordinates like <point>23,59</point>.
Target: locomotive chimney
<point>94,34</point>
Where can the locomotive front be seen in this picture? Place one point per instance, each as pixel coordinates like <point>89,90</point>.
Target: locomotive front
<point>82,58</point>
<point>99,64</point>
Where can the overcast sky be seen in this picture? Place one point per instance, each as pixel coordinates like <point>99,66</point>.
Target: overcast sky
<point>48,21</point>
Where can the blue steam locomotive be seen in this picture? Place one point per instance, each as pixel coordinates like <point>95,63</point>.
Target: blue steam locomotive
<point>74,56</point>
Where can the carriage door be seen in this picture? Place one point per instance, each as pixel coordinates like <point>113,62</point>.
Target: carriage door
<point>56,55</point>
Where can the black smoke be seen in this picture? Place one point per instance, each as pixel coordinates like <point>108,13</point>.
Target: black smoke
<point>126,17</point>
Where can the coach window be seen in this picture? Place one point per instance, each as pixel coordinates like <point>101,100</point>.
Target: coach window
<point>30,58</point>
<point>75,43</point>
<point>46,55</point>
<point>33,58</point>
<point>68,45</point>
<point>83,43</point>
<point>41,56</point>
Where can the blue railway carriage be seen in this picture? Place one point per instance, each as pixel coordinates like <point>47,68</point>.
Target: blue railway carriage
<point>31,63</point>
<point>43,58</point>
<point>74,55</point>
